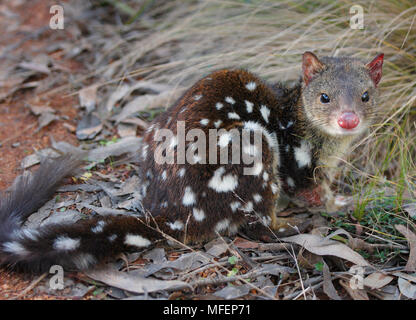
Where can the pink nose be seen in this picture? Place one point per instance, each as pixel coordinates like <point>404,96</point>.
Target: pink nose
<point>348,120</point>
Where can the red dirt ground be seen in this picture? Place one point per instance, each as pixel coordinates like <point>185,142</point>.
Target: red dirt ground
<point>18,125</point>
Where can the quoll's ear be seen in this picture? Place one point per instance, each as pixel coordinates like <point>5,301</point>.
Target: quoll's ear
<point>375,68</point>
<point>310,66</point>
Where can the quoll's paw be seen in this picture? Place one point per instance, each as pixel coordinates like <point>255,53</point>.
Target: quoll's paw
<point>338,203</point>
<point>283,227</point>
<point>309,199</point>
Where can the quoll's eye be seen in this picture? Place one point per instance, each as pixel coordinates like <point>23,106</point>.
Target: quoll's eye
<point>324,98</point>
<point>365,97</point>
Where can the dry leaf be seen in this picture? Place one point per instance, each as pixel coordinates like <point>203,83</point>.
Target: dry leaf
<point>377,280</point>
<point>147,102</point>
<point>38,110</point>
<point>126,130</point>
<point>245,244</point>
<point>116,96</point>
<point>406,288</point>
<point>88,97</point>
<point>88,127</point>
<point>410,208</point>
<point>136,121</point>
<point>45,119</point>
<point>411,238</point>
<point>133,283</point>
<point>323,246</point>
<point>122,146</point>
<point>328,286</point>
<point>406,276</point>
<point>34,66</point>
<point>356,294</point>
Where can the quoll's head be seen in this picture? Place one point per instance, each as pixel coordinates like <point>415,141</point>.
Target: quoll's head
<point>340,94</point>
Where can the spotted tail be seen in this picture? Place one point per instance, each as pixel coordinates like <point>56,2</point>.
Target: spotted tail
<point>73,246</point>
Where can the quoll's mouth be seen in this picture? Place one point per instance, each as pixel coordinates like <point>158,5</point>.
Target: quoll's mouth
<point>348,120</point>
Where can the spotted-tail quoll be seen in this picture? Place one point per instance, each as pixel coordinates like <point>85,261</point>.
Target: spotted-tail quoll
<point>197,179</point>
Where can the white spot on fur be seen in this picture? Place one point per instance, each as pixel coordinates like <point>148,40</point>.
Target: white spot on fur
<point>181,172</point>
<point>164,204</point>
<point>219,105</point>
<point>265,112</point>
<point>290,182</point>
<point>288,125</point>
<point>164,175</point>
<point>26,233</point>
<point>257,168</point>
<point>303,154</point>
<point>15,247</point>
<point>99,227</point>
<point>222,183</point>
<point>230,100</point>
<point>235,205</point>
<point>251,86</point>
<point>112,238</point>
<point>188,197</point>
<point>274,188</point>
<point>249,106</point>
<point>204,122</point>
<point>136,240</point>
<point>66,243</point>
<point>222,225</point>
<point>233,115</point>
<point>217,123</point>
<point>265,176</point>
<point>266,220</point>
<point>199,214</point>
<point>248,207</point>
<point>149,174</point>
<point>257,198</point>
<point>197,97</point>
<point>197,158</point>
<point>177,225</point>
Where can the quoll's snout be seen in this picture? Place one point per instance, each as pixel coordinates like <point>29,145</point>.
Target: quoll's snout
<point>348,120</point>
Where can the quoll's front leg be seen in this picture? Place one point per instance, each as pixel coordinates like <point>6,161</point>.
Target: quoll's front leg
<point>333,202</point>
<point>277,228</point>
<point>310,198</point>
<point>321,198</point>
